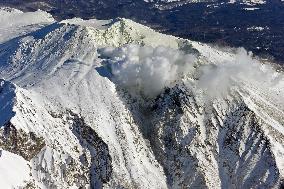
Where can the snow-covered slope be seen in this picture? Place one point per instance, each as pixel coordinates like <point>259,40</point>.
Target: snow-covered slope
<point>69,121</point>
<point>15,23</point>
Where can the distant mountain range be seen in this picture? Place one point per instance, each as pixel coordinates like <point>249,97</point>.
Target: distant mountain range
<point>168,4</point>
<point>211,21</point>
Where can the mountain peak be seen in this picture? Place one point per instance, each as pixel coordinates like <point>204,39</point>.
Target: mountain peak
<point>114,104</point>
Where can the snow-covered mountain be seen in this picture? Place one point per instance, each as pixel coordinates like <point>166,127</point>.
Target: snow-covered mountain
<point>114,104</point>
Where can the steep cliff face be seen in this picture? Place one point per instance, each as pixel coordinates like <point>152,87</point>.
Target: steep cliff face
<point>51,143</point>
<point>70,121</point>
<point>218,145</point>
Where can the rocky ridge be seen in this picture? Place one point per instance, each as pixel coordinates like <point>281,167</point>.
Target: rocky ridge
<point>75,127</point>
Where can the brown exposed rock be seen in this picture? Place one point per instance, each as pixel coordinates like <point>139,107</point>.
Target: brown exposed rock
<point>19,142</point>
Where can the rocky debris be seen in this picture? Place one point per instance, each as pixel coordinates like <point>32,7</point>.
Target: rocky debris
<point>27,145</point>
<point>202,145</point>
<point>100,160</point>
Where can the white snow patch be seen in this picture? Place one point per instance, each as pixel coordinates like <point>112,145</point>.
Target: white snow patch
<point>257,28</point>
<point>253,2</point>
<point>251,8</point>
<point>14,23</point>
<point>14,170</point>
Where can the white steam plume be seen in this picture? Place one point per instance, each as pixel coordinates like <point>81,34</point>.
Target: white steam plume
<point>244,69</point>
<point>149,70</point>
